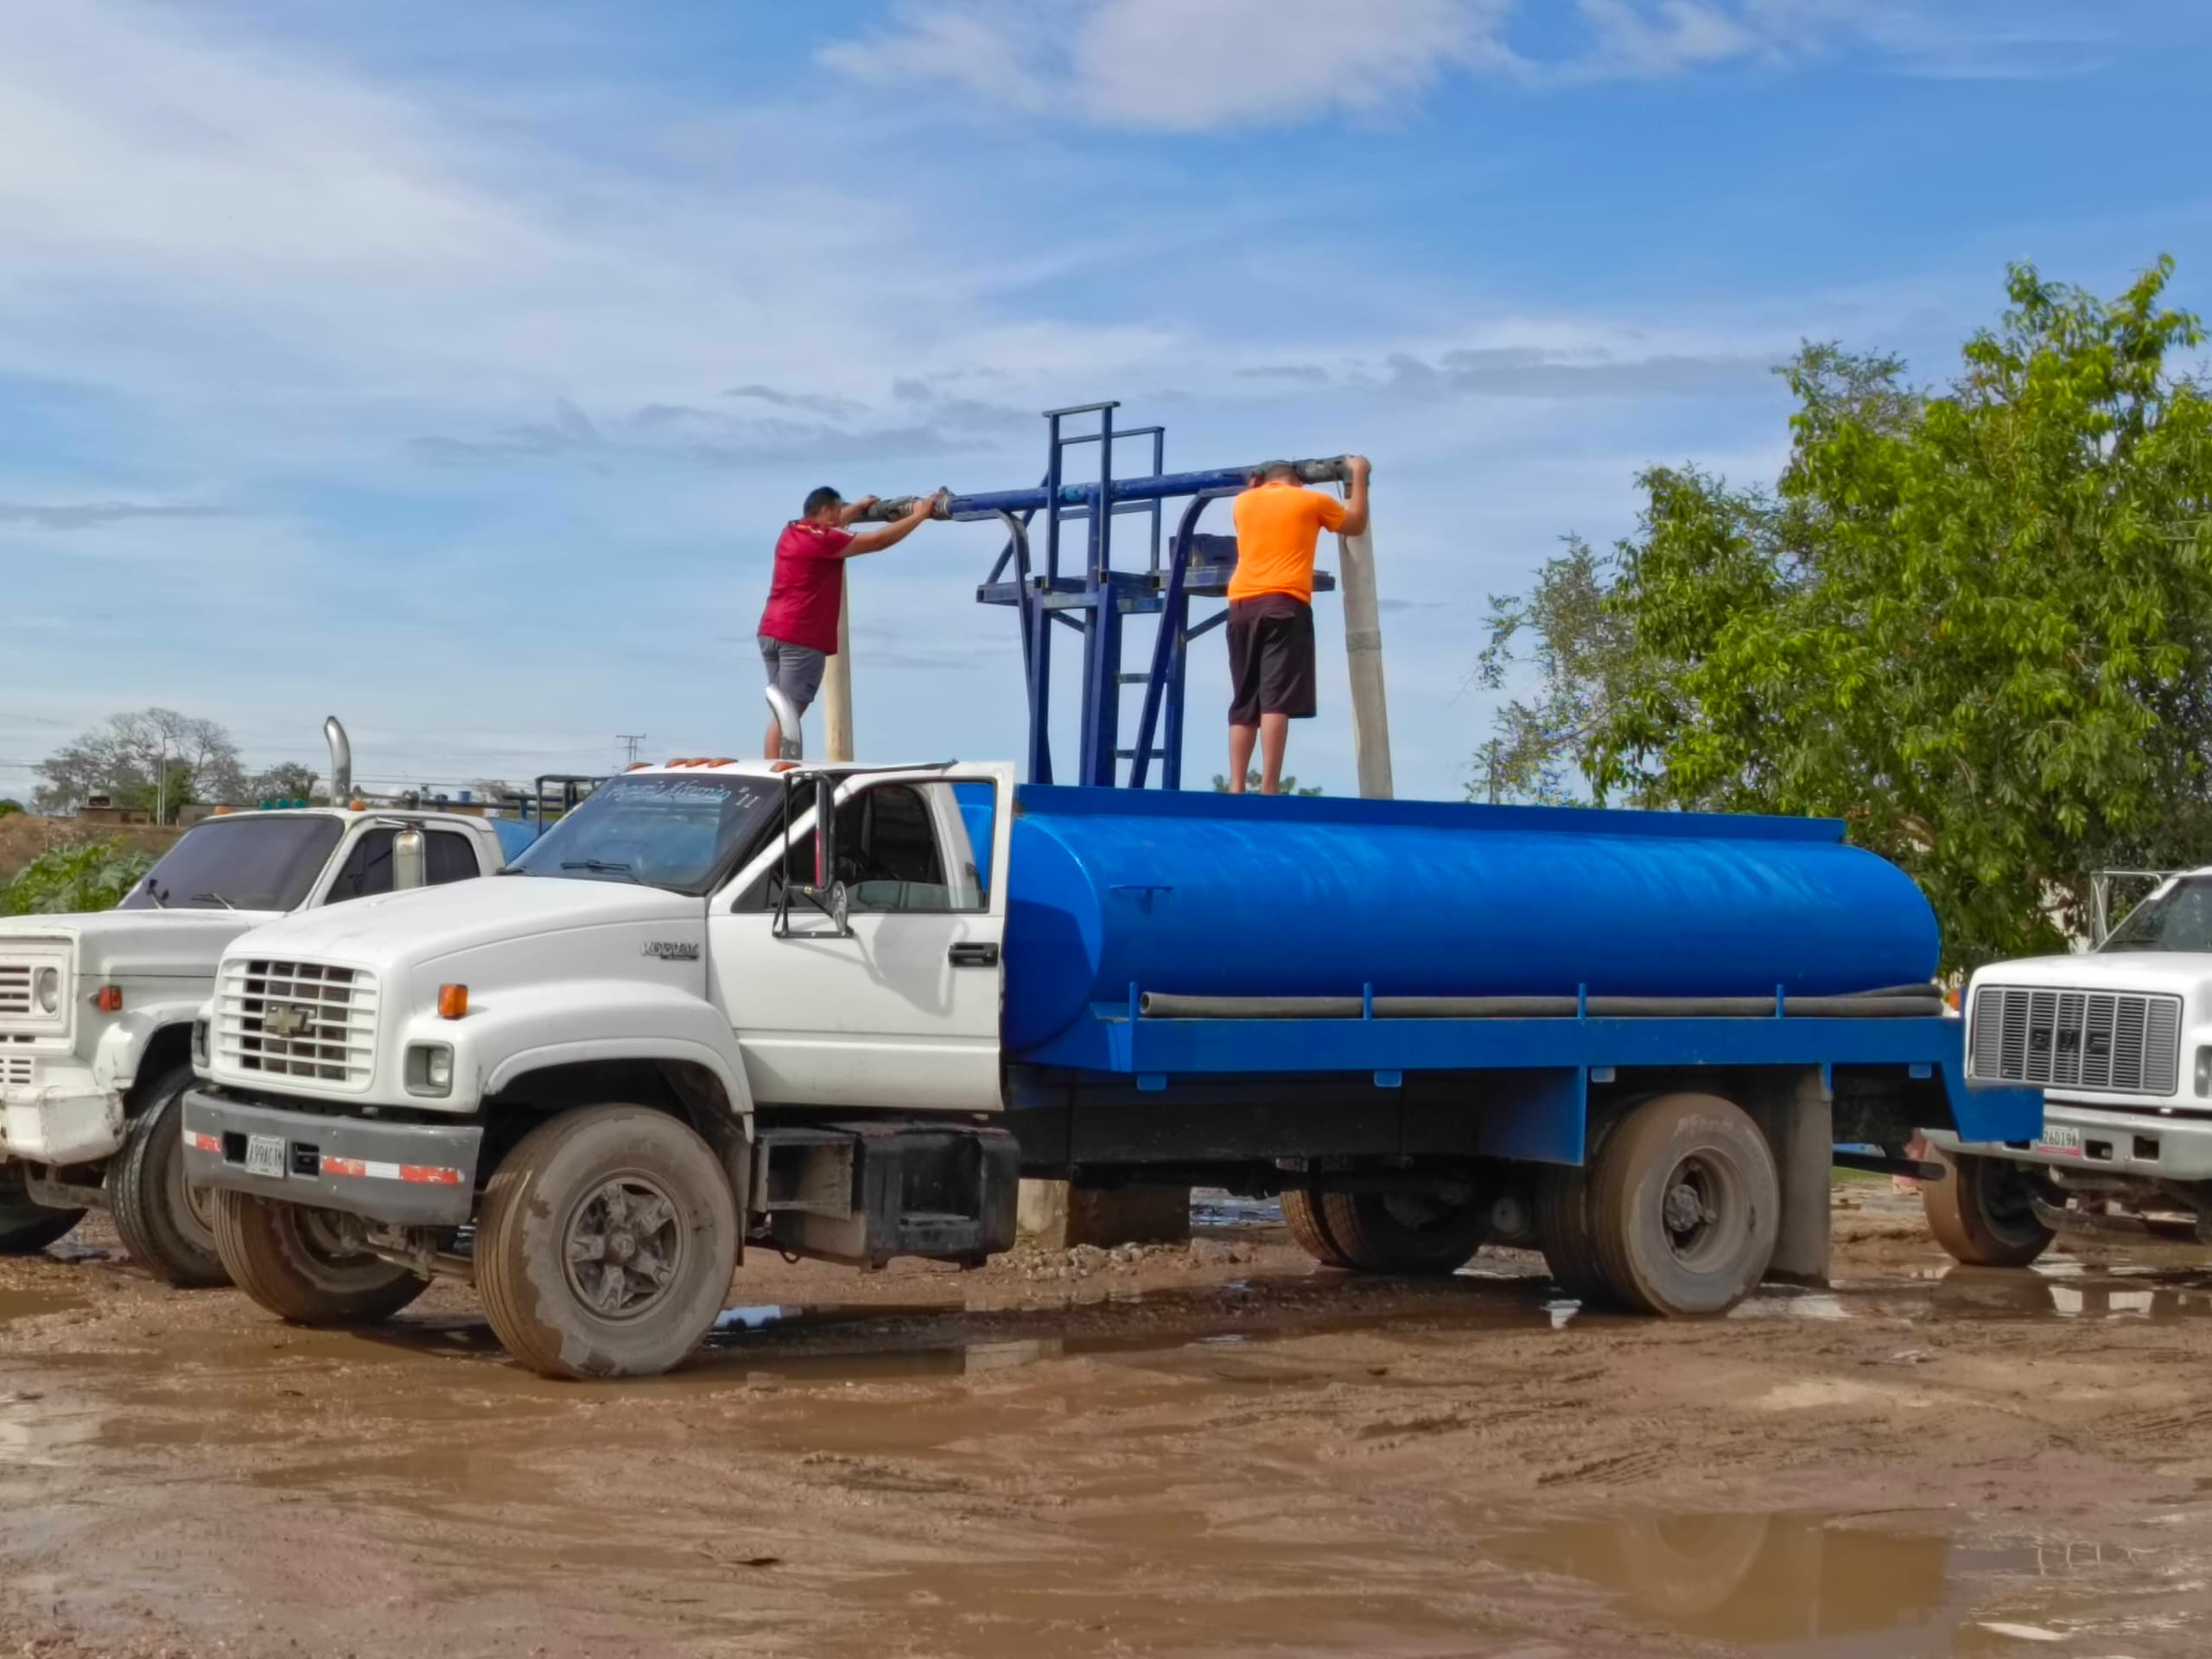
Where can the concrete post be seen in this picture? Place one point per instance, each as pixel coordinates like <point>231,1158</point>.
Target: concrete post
<point>1060,1215</point>
<point>1801,1126</point>
<point>1370,711</point>
<point>837,682</point>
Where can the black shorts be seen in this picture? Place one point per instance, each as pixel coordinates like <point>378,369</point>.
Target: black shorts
<point>1270,658</point>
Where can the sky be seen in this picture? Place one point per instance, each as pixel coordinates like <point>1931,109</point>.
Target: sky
<point>453,369</point>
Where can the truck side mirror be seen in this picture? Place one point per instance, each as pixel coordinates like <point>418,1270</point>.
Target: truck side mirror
<point>409,864</point>
<point>824,891</point>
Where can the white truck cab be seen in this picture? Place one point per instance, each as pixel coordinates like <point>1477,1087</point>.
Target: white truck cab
<point>670,1023</point>
<point>2119,1038</point>
<point>96,1009</point>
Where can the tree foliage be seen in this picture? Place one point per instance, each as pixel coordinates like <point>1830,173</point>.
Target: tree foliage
<point>288,780</point>
<point>141,759</point>
<point>8,809</point>
<point>88,875</point>
<point>1974,623</point>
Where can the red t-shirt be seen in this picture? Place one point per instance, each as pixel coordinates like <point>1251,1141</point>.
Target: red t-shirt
<point>804,594</point>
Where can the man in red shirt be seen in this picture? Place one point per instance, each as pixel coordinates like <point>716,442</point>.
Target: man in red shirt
<point>798,629</point>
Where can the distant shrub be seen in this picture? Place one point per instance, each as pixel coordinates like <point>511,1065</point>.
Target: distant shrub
<point>90,875</point>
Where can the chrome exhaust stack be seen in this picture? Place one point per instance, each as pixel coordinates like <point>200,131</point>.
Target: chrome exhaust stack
<point>790,744</point>
<point>342,761</point>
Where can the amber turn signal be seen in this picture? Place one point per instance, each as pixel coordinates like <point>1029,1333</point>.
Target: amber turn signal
<point>108,999</point>
<point>452,1001</point>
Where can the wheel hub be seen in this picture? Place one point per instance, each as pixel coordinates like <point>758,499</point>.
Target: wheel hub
<point>1685,1209</point>
<point>623,1247</point>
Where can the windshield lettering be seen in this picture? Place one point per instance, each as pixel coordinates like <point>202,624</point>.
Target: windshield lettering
<point>675,833</point>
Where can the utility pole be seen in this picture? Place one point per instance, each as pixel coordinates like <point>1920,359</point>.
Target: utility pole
<point>629,740</point>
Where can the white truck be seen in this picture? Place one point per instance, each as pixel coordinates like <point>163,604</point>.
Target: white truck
<point>96,1009</point>
<point>2119,1040</point>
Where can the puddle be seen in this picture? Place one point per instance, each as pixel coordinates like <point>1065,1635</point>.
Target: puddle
<point>1780,1584</point>
<point>1213,1209</point>
<point>34,1304</point>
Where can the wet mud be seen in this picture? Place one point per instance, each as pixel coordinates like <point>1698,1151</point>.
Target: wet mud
<point>1211,1451</point>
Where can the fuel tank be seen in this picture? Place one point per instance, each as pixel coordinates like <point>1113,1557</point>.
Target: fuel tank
<point>1261,896</point>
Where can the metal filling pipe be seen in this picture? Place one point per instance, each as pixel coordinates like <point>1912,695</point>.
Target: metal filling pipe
<point>1167,486</point>
<point>1897,1003</point>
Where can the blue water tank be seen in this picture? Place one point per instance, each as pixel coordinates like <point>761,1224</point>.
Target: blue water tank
<point>1258,896</point>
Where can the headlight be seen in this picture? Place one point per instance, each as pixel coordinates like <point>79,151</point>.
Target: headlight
<point>2203,1072</point>
<point>200,1043</point>
<point>49,989</point>
<point>430,1068</point>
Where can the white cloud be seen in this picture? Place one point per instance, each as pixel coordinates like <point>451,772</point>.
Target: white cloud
<point>1675,35</point>
<point>1171,65</point>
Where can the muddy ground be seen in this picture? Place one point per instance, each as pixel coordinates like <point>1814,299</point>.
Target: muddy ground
<point>1216,1450</point>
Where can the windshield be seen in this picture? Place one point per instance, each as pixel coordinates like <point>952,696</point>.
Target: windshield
<point>2178,917</point>
<point>239,864</point>
<point>660,831</point>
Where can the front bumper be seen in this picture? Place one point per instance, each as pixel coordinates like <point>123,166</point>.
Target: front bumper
<point>61,1116</point>
<point>2101,1141</point>
<point>402,1174</point>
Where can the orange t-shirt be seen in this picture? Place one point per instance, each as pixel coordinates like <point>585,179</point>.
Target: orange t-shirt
<point>1278,525</point>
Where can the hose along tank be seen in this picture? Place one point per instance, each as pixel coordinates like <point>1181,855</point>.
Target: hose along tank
<point>1255,896</point>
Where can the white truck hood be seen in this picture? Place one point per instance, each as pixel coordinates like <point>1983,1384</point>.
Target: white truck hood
<point>2179,972</point>
<point>429,922</point>
<point>144,943</point>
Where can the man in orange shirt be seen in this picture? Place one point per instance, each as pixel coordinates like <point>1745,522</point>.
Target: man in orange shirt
<point>1279,523</point>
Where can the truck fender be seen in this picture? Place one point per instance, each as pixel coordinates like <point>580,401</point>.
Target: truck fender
<point>123,1046</point>
<point>655,1023</point>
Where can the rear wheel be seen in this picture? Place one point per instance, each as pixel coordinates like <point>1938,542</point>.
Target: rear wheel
<point>28,1228</point>
<point>296,1262</point>
<point>1563,1232</point>
<point>607,1242</point>
<point>1684,1206</point>
<point>167,1226</point>
<point>1302,1213</point>
<point>1982,1212</point>
<point>1406,1232</point>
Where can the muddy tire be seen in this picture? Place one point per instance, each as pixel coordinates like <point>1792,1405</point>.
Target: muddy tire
<point>1563,1233</point>
<point>1301,1214</point>
<point>1979,1212</point>
<point>1684,1206</point>
<point>605,1244</point>
<point>167,1228</point>
<point>293,1261</point>
<point>1406,1232</point>
<point>27,1227</point>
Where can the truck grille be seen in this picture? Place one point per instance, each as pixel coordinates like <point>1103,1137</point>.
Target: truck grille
<point>18,1070</point>
<point>2122,1042</point>
<point>15,988</point>
<point>304,1020</point>
<point>21,964</point>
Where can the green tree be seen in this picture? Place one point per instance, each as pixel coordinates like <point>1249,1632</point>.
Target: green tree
<point>8,809</point>
<point>1974,623</point>
<point>126,759</point>
<point>1252,783</point>
<point>288,780</point>
<point>86,875</point>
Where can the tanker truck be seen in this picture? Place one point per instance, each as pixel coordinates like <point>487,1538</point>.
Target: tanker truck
<point>96,1009</point>
<point>839,1012</point>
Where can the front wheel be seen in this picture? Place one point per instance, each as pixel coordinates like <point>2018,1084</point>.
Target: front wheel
<point>167,1226</point>
<point>296,1262</point>
<point>1983,1212</point>
<point>1684,1206</point>
<point>607,1242</point>
<point>28,1228</point>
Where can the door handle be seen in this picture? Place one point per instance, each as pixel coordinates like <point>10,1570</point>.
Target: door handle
<point>974,956</point>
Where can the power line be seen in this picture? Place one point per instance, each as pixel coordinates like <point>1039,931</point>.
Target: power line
<point>629,740</point>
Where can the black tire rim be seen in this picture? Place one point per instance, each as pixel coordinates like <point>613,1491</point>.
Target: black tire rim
<point>196,1202</point>
<point>2006,1197</point>
<point>322,1238</point>
<point>623,1247</point>
<point>1418,1213</point>
<point>1699,1204</point>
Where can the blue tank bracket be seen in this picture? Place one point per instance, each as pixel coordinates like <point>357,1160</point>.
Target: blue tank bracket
<point>1367,1001</point>
<point>1390,1079</point>
<point>1601,1074</point>
<point>1780,1002</point>
<point>1151,1083</point>
<point>1921,1070</point>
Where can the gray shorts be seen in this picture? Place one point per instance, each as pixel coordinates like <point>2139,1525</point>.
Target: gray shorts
<point>795,671</point>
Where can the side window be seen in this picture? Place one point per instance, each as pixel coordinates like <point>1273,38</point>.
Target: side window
<point>900,847</point>
<point>449,856</point>
<point>367,869</point>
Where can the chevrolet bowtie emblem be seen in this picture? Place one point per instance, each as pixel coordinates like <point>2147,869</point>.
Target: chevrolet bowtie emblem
<point>285,1020</point>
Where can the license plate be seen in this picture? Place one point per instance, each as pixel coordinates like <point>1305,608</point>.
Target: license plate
<point>2066,1141</point>
<point>264,1155</point>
